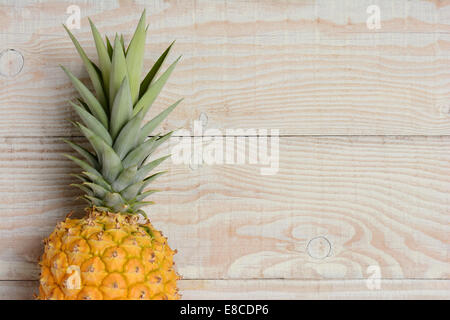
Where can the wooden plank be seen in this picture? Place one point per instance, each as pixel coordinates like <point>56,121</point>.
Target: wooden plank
<point>337,206</point>
<point>344,16</point>
<point>18,290</point>
<point>278,289</point>
<point>314,289</point>
<point>304,67</point>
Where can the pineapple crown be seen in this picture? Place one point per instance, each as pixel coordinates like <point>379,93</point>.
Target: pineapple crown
<point>116,174</point>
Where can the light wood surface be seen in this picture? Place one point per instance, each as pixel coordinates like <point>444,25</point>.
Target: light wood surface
<point>304,67</point>
<point>373,200</point>
<point>364,119</point>
<point>277,289</point>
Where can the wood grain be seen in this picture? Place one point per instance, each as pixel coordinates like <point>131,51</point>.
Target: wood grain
<point>379,201</point>
<point>364,164</point>
<point>304,67</point>
<point>315,289</point>
<point>278,289</point>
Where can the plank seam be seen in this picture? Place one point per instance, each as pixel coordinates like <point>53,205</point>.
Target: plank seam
<point>281,136</point>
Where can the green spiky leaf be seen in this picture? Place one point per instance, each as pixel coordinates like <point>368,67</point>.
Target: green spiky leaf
<point>98,190</point>
<point>79,177</point>
<point>85,153</point>
<point>122,42</point>
<point>91,70</point>
<point>118,69</point>
<point>153,91</point>
<point>140,204</point>
<point>148,128</point>
<point>103,56</point>
<point>86,167</point>
<point>132,191</point>
<point>138,155</point>
<point>151,179</point>
<point>145,170</point>
<point>94,201</point>
<point>97,179</point>
<point>153,71</point>
<point>135,57</point>
<point>128,136</point>
<point>82,188</point>
<point>159,141</point>
<point>122,108</point>
<point>92,123</point>
<point>126,177</point>
<point>94,106</point>
<point>145,194</point>
<point>110,162</point>
<point>115,201</point>
<point>109,47</point>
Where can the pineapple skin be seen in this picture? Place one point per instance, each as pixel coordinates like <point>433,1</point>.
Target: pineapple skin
<point>107,256</point>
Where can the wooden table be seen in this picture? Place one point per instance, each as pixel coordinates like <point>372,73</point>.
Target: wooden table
<point>360,205</point>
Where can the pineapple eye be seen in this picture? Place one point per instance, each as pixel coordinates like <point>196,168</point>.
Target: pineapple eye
<point>114,254</point>
<point>115,286</point>
<point>91,268</point>
<point>142,296</point>
<point>137,269</point>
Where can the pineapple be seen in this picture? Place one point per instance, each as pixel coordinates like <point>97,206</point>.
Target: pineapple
<point>114,252</point>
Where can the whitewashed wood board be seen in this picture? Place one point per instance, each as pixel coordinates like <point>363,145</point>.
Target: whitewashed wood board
<point>364,117</point>
<point>375,201</point>
<point>304,67</point>
<point>278,289</point>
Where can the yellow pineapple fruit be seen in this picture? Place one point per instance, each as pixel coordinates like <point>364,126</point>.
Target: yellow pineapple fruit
<point>114,252</point>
